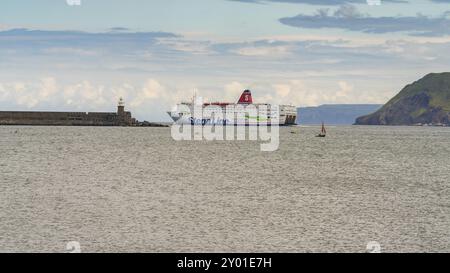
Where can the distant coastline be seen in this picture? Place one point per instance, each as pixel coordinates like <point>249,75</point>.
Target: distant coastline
<point>334,114</point>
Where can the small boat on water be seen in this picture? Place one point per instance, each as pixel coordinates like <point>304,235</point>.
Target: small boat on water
<point>323,133</point>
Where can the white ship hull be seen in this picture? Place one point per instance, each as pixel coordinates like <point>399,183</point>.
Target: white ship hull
<point>239,114</point>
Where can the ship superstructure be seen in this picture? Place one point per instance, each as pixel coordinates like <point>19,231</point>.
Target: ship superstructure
<point>244,112</point>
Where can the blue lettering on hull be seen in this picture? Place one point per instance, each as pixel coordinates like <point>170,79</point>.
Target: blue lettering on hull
<point>208,121</point>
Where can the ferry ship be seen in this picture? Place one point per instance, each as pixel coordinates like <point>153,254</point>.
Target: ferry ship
<point>233,113</point>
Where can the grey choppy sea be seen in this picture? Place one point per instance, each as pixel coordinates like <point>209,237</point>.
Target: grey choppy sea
<point>137,190</point>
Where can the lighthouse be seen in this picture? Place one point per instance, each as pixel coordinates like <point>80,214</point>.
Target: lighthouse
<point>121,114</point>
<point>121,108</point>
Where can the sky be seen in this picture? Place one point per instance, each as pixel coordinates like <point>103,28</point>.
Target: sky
<point>60,56</point>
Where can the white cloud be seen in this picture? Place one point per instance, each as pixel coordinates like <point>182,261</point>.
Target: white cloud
<point>19,86</point>
<point>298,93</point>
<point>70,51</point>
<point>272,51</point>
<point>26,94</point>
<point>345,90</point>
<point>48,87</point>
<point>3,93</point>
<point>153,98</point>
<point>233,91</point>
<point>152,90</point>
<point>85,93</point>
<point>188,46</point>
<point>295,92</point>
<point>282,90</point>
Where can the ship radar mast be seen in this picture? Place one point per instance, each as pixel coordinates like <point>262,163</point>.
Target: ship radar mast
<point>194,96</point>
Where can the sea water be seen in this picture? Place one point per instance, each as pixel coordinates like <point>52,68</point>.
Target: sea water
<point>136,189</point>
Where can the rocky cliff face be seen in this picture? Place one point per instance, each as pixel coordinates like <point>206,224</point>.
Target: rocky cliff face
<point>426,101</point>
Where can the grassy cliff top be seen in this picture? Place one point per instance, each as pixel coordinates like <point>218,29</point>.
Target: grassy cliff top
<point>435,85</point>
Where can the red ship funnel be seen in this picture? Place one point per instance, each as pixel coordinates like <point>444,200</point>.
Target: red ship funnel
<point>246,98</point>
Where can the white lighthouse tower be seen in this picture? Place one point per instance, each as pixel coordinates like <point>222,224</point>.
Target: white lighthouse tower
<point>121,107</point>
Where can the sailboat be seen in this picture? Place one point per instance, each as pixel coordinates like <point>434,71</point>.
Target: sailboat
<point>323,133</point>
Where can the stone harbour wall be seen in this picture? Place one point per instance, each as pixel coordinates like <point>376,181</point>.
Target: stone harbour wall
<point>67,118</point>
